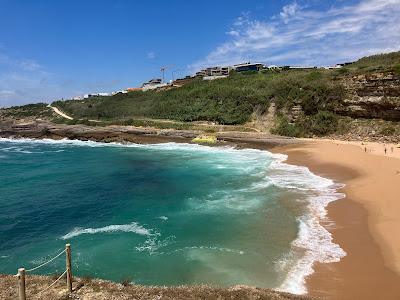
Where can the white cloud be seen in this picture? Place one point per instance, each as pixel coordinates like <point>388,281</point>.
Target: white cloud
<point>233,33</point>
<point>26,81</point>
<point>29,65</point>
<point>151,55</point>
<point>289,11</point>
<point>24,64</point>
<point>305,35</point>
<point>6,93</point>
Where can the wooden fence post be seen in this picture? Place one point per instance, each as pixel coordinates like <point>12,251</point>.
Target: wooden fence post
<point>21,284</point>
<point>68,265</point>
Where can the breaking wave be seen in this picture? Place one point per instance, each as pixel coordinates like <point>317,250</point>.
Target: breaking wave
<point>132,227</point>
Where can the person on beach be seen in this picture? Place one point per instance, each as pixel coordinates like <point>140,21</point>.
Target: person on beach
<point>365,149</point>
<point>385,150</point>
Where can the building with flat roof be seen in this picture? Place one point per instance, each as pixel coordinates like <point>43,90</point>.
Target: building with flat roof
<point>153,84</point>
<point>214,71</point>
<point>153,81</point>
<point>299,67</point>
<point>248,66</point>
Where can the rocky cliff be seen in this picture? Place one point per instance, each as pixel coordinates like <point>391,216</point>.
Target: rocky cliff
<point>375,95</point>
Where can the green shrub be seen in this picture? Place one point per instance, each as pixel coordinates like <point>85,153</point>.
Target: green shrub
<point>396,69</point>
<point>323,123</point>
<point>314,75</point>
<point>379,60</point>
<point>285,128</point>
<point>388,130</point>
<point>344,125</point>
<point>313,91</point>
<point>342,71</point>
<point>39,110</point>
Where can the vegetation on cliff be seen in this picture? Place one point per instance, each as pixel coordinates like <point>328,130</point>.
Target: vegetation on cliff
<point>37,110</point>
<point>225,101</point>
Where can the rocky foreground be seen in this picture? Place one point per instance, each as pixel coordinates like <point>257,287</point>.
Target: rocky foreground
<point>96,289</point>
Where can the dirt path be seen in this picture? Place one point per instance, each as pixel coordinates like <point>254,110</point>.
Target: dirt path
<point>60,113</point>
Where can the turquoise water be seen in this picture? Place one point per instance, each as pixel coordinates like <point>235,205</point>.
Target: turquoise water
<point>162,214</point>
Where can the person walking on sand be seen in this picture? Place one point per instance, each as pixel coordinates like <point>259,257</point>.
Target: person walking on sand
<point>385,150</point>
<point>365,149</point>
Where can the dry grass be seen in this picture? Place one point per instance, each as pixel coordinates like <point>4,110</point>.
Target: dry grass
<point>96,289</point>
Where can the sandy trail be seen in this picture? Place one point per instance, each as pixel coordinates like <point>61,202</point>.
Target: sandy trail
<point>59,112</point>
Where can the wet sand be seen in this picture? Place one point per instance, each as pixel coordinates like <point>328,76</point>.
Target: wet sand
<point>367,221</point>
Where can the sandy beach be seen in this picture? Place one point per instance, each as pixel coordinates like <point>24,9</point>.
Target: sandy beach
<point>367,222</point>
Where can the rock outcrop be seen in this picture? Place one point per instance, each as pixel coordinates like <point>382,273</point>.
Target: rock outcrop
<point>374,95</point>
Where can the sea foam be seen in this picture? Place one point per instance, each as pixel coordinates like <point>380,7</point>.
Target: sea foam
<point>132,227</point>
<point>312,238</point>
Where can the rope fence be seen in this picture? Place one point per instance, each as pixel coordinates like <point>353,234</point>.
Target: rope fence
<point>68,272</point>
<point>47,262</point>
<point>61,276</point>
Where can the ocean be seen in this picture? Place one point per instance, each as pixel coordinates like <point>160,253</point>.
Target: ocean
<point>163,214</point>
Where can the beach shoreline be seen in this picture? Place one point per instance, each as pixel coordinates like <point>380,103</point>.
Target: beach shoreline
<point>365,222</point>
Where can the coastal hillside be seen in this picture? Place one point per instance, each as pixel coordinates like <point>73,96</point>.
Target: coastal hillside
<point>360,100</point>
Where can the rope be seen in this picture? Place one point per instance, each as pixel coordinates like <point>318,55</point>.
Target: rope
<point>45,263</point>
<point>53,282</point>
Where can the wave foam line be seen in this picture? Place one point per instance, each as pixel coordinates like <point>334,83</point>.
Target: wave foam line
<point>132,227</point>
<point>243,153</point>
<point>316,242</point>
<point>207,248</point>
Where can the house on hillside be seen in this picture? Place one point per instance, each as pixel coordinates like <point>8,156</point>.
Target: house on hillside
<point>119,92</point>
<point>346,63</point>
<point>214,72</point>
<point>96,95</point>
<point>134,89</point>
<point>153,84</point>
<point>332,67</point>
<point>182,81</point>
<point>248,66</point>
<point>298,67</point>
<point>201,74</point>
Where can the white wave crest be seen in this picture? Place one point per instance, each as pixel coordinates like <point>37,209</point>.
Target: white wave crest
<point>211,248</point>
<point>153,244</point>
<point>316,242</point>
<point>132,227</point>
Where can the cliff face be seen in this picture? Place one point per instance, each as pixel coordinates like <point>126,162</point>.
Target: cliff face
<point>372,96</point>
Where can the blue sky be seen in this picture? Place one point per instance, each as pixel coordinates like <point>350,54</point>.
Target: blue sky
<point>59,49</point>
